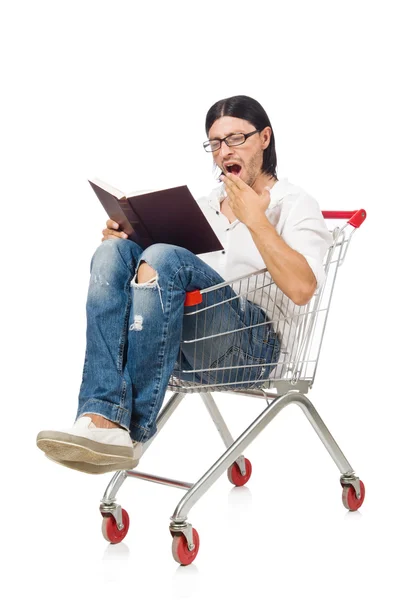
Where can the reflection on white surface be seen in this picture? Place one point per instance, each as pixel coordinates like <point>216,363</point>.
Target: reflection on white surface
<point>353,516</point>
<point>185,581</point>
<point>240,496</point>
<point>115,563</point>
<point>116,552</point>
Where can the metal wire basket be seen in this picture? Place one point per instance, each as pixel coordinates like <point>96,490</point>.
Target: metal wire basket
<point>298,329</point>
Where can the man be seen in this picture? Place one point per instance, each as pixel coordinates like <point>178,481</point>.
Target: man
<point>135,302</point>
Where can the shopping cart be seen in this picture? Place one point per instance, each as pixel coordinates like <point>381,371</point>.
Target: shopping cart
<point>299,331</point>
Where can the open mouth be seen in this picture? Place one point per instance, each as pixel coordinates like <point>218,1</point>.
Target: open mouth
<point>233,168</point>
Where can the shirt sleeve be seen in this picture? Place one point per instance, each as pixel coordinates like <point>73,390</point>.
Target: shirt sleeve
<point>305,231</point>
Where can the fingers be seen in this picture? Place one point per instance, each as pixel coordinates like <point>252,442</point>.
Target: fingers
<point>110,231</point>
<point>232,193</point>
<point>232,182</point>
<point>112,224</point>
<point>110,237</point>
<point>231,190</point>
<point>230,187</point>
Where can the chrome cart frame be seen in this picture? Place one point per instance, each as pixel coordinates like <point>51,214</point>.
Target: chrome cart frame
<point>300,331</point>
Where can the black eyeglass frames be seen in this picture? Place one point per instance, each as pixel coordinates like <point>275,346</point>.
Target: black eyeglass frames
<point>234,139</point>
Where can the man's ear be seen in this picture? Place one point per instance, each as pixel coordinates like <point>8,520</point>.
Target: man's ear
<point>266,136</point>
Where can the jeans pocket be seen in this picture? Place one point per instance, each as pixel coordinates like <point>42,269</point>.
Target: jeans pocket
<point>236,366</point>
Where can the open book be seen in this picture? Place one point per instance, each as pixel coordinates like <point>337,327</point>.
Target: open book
<point>169,216</point>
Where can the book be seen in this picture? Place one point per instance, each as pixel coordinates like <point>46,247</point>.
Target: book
<point>170,216</point>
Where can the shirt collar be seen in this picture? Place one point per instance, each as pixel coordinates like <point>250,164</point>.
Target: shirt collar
<point>215,197</point>
<point>277,193</point>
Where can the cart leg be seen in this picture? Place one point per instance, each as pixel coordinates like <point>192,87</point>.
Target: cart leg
<point>348,477</point>
<point>323,433</point>
<point>108,503</point>
<point>222,427</point>
<point>179,518</point>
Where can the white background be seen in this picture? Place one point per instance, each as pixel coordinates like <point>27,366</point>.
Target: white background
<point>120,90</point>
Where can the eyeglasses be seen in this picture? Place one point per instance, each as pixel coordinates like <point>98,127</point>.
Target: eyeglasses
<point>234,139</point>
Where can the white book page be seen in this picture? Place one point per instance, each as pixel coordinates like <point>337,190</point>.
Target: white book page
<point>139,192</point>
<point>108,188</point>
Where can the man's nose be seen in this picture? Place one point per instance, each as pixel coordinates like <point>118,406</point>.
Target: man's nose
<point>225,150</point>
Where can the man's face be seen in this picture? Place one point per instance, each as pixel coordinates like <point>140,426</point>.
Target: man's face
<point>246,158</point>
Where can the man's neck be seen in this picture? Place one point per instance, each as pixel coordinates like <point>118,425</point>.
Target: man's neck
<point>262,181</point>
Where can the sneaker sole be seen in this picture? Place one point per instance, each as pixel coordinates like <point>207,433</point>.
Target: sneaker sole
<point>67,447</point>
<point>126,465</point>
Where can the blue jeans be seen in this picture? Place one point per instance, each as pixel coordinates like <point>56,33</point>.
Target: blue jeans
<point>134,332</point>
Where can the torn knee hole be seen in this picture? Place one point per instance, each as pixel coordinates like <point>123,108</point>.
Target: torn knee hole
<point>145,274</point>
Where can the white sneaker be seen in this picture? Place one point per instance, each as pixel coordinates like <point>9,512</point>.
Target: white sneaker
<point>86,443</point>
<point>84,467</point>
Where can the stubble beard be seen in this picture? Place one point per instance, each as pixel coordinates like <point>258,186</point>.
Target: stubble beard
<point>254,168</point>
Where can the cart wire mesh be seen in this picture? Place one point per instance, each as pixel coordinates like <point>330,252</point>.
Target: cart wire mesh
<point>219,349</point>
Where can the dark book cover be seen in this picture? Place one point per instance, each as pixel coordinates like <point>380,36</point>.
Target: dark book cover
<point>169,216</point>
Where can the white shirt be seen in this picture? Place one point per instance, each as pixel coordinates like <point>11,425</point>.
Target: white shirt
<point>297,218</point>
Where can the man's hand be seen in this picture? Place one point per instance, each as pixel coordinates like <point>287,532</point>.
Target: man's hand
<point>110,231</point>
<point>246,204</point>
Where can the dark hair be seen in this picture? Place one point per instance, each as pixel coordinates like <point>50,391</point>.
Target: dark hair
<point>244,107</point>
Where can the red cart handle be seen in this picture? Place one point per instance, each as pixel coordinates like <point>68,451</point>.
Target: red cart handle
<point>193,298</point>
<point>356,217</point>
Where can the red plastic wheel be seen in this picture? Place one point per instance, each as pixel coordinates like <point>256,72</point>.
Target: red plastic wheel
<point>235,476</point>
<point>110,531</point>
<point>181,552</point>
<point>349,498</point>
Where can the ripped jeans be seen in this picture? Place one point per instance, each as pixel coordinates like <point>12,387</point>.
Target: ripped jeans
<point>134,331</point>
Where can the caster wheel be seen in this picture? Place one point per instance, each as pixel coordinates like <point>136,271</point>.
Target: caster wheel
<point>181,552</point>
<point>349,498</point>
<point>110,531</point>
<point>235,476</point>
